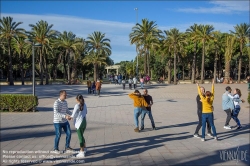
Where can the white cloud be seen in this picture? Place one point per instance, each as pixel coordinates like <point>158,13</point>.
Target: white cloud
<point>117,32</point>
<point>220,7</point>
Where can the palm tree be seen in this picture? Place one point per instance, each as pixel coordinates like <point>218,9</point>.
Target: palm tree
<point>203,34</point>
<point>140,35</point>
<point>217,45</point>
<point>191,31</point>
<point>241,32</point>
<point>9,29</point>
<point>99,46</point>
<point>68,42</point>
<point>229,49</point>
<point>20,47</point>
<point>42,33</point>
<point>175,38</point>
<point>95,59</point>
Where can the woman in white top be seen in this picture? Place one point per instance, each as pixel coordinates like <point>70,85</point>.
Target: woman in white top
<point>236,110</point>
<point>79,116</point>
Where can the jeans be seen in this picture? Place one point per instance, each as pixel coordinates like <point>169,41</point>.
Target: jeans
<point>137,113</point>
<point>235,114</point>
<point>98,92</point>
<point>142,84</point>
<point>130,86</point>
<point>200,124</point>
<point>58,130</point>
<point>144,112</point>
<point>210,118</point>
<point>89,90</point>
<point>228,112</point>
<point>119,81</point>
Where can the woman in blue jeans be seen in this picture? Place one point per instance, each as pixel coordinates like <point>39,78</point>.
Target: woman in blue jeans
<point>207,110</point>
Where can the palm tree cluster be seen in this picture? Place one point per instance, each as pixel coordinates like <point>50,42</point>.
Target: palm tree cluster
<point>63,53</point>
<point>165,52</point>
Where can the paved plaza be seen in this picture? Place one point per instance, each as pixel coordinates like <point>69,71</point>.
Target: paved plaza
<point>110,135</point>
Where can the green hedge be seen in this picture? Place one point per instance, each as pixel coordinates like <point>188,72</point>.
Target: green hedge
<point>248,99</point>
<point>17,102</point>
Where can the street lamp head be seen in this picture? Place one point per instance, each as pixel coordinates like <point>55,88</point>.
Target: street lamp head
<point>29,41</point>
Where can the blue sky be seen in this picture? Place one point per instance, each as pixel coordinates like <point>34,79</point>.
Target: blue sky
<point>116,18</point>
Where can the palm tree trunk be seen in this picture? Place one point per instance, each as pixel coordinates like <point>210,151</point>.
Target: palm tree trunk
<point>46,70</point>
<point>194,64</point>
<point>21,67</point>
<point>145,62</point>
<point>41,67</point>
<point>240,62</point>
<point>11,82</point>
<point>95,68</point>
<point>183,74</point>
<point>169,72</point>
<point>148,63</point>
<point>174,64</point>
<point>215,66</point>
<point>227,72</point>
<point>69,76</point>
<point>74,69</point>
<point>202,63</point>
<point>64,66</point>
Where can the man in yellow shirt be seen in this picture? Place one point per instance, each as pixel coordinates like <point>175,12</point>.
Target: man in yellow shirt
<point>139,104</point>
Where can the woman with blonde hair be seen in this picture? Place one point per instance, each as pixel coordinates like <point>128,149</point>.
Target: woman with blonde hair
<point>207,110</point>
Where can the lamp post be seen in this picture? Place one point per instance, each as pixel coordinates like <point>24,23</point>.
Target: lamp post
<point>29,41</point>
<point>136,9</point>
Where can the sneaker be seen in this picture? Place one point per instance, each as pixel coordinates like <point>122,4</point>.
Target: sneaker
<point>56,151</point>
<point>80,154</point>
<point>215,138</point>
<point>227,127</point>
<point>239,127</point>
<point>136,129</point>
<point>209,134</point>
<point>69,150</point>
<point>196,136</point>
<point>142,128</point>
<point>203,139</point>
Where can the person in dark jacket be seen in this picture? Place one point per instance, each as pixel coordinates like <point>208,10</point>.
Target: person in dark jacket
<point>199,113</point>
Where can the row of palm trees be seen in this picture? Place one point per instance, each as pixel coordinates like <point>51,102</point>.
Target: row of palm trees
<point>185,46</point>
<point>56,48</point>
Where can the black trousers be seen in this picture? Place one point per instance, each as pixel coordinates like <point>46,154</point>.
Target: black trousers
<point>199,113</point>
<point>228,112</point>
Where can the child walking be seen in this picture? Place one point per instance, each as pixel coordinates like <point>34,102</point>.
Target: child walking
<point>79,116</point>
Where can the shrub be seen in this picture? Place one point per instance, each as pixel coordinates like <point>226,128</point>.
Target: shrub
<point>17,102</point>
<point>248,99</point>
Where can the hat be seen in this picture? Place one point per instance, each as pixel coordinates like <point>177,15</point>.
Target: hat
<point>228,88</point>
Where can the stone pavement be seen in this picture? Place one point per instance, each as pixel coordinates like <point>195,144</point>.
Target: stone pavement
<point>110,135</point>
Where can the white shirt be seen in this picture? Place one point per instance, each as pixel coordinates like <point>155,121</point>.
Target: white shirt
<point>236,96</point>
<point>60,110</point>
<point>134,80</point>
<point>79,115</point>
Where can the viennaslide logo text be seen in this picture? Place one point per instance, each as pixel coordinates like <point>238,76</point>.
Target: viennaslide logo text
<point>237,155</point>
